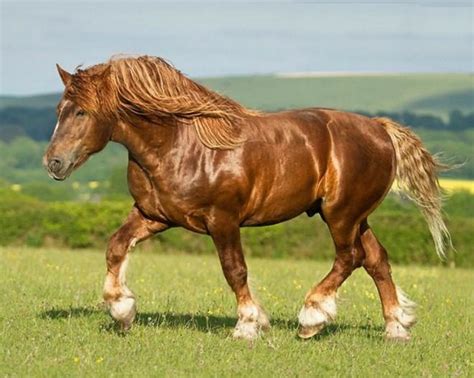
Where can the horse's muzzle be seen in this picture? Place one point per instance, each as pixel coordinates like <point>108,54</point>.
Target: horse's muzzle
<point>58,168</point>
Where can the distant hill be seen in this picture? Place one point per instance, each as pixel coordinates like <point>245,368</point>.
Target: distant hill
<point>417,100</point>
<point>38,101</point>
<point>462,100</point>
<point>435,94</point>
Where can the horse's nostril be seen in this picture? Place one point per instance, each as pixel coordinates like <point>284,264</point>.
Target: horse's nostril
<point>55,164</point>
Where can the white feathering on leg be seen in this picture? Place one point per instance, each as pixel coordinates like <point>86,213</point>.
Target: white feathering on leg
<point>124,311</point>
<point>124,308</point>
<point>322,312</point>
<point>403,318</point>
<point>247,325</point>
<point>406,313</point>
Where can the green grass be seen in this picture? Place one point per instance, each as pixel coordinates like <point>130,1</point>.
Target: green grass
<point>51,322</point>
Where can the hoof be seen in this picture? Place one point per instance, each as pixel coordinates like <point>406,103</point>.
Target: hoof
<point>396,332</point>
<point>123,311</point>
<point>246,331</point>
<point>250,329</point>
<point>309,331</point>
<point>402,319</point>
<point>125,326</point>
<point>315,316</point>
<point>252,322</point>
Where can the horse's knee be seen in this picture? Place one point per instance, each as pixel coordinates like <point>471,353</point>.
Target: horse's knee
<point>345,264</point>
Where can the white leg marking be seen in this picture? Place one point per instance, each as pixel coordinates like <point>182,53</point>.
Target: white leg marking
<point>108,284</point>
<point>322,313</point>
<point>395,331</point>
<point>407,315</point>
<point>122,278</point>
<point>403,318</point>
<point>252,320</point>
<point>123,309</point>
<point>263,321</point>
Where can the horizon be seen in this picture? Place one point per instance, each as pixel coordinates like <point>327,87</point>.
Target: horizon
<point>279,75</point>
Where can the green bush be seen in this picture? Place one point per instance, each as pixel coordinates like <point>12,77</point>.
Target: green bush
<point>72,224</point>
<point>397,224</point>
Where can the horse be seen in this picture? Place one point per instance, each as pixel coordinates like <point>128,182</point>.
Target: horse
<point>201,161</point>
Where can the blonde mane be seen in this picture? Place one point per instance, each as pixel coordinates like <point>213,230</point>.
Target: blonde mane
<point>150,88</point>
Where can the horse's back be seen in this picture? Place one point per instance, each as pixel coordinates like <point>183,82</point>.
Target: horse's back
<point>298,157</point>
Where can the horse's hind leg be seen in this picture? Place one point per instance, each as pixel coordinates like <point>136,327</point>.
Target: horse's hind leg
<point>320,302</point>
<point>398,310</point>
<point>118,297</point>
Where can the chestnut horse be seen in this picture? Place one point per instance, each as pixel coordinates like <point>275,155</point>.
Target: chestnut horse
<point>201,161</point>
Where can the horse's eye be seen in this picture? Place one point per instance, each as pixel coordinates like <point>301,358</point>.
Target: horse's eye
<point>80,113</point>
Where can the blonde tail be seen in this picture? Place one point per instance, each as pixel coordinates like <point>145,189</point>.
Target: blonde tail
<point>417,177</point>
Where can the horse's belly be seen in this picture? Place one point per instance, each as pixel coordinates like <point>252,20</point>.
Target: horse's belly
<point>283,198</point>
<point>272,216</point>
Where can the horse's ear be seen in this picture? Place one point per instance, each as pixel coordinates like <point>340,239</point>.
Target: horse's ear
<point>65,76</point>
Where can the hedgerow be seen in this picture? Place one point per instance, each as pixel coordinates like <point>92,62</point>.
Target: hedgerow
<point>397,224</point>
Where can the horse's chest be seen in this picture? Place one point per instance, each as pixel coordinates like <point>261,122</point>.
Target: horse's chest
<point>159,200</point>
<point>144,191</point>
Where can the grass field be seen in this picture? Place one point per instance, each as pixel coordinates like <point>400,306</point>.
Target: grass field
<point>51,322</point>
<point>420,93</point>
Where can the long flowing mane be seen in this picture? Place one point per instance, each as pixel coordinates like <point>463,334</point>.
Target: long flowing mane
<point>150,88</point>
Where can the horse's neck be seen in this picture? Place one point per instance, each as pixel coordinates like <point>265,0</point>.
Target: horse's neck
<point>152,145</point>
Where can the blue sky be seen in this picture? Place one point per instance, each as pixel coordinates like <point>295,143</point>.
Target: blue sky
<point>232,38</point>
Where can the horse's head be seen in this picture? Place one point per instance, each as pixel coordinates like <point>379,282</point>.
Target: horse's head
<point>78,133</point>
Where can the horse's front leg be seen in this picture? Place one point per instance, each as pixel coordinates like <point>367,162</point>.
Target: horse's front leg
<point>252,319</point>
<point>118,297</point>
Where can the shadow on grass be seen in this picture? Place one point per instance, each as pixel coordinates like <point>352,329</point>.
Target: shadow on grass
<point>71,312</point>
<point>367,330</point>
<point>199,321</point>
<point>203,323</point>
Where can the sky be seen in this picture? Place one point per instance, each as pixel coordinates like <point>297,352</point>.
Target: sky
<point>218,38</point>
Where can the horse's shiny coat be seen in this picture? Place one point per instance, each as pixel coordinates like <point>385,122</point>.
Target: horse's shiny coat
<point>337,164</point>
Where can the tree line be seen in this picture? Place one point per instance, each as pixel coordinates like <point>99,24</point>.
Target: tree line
<point>457,120</point>
<point>38,123</point>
